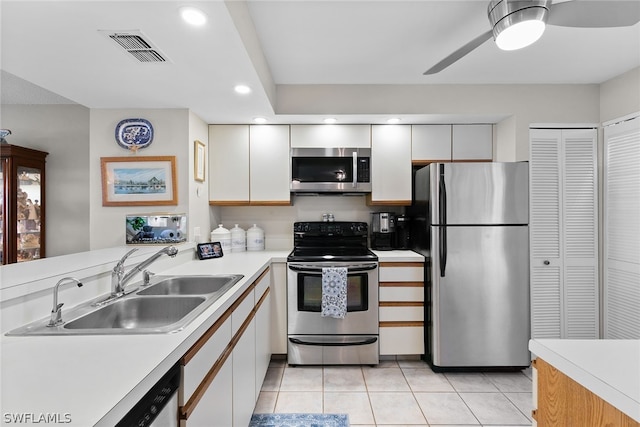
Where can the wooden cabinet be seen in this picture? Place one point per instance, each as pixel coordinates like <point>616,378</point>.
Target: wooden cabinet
<point>390,165</point>
<point>563,227</point>
<point>561,401</point>
<point>22,198</point>
<point>446,143</point>
<point>249,165</point>
<point>331,136</point>
<point>223,370</point>
<point>401,308</point>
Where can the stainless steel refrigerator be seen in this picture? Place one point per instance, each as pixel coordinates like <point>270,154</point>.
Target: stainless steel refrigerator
<point>472,223</point>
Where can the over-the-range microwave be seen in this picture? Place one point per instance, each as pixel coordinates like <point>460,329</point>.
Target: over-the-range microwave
<point>322,170</point>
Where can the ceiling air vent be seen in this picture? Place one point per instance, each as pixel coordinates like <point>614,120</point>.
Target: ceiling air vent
<point>136,45</point>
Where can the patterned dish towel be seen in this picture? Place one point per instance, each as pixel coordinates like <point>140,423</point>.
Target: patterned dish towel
<point>334,292</point>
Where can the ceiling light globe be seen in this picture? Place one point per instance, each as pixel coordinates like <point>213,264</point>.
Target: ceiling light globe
<point>259,120</point>
<point>193,16</point>
<point>330,120</point>
<point>518,23</point>
<point>520,35</point>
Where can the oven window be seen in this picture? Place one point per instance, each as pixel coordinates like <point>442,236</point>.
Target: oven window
<point>310,292</point>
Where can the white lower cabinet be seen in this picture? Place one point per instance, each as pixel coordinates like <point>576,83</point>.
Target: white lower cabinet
<point>215,408</point>
<point>401,308</point>
<point>223,371</point>
<point>263,339</point>
<point>244,376</point>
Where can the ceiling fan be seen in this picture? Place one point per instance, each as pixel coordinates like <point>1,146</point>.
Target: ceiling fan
<point>508,17</point>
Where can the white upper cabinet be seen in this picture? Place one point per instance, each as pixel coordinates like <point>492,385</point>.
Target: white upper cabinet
<point>269,164</point>
<point>472,142</point>
<point>229,164</point>
<point>431,143</point>
<point>249,165</point>
<point>391,164</point>
<point>445,143</point>
<point>331,136</point>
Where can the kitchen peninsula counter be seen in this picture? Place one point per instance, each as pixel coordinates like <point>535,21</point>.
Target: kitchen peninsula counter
<point>610,369</point>
<point>95,380</point>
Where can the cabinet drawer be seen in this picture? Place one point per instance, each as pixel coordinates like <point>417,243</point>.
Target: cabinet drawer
<point>194,371</point>
<point>262,283</point>
<point>242,310</point>
<point>401,313</point>
<point>391,273</point>
<point>401,340</point>
<point>401,293</point>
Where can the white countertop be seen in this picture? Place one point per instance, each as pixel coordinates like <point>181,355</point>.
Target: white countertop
<point>95,380</point>
<point>608,368</point>
<point>398,256</point>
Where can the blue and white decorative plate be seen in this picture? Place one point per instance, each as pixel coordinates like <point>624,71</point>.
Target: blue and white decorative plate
<point>134,133</point>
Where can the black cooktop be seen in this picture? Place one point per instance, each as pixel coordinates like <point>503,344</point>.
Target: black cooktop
<point>330,241</point>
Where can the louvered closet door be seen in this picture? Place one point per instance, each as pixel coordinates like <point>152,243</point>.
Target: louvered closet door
<point>563,226</point>
<point>580,234</point>
<point>544,229</point>
<point>622,233</point>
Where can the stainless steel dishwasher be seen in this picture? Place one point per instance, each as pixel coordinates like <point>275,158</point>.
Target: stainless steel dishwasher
<point>159,407</point>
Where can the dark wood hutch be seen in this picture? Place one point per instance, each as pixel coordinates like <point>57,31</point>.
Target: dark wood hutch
<point>22,183</point>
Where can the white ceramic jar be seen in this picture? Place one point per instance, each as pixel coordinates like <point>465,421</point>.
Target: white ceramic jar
<point>223,236</point>
<point>255,239</point>
<point>238,239</point>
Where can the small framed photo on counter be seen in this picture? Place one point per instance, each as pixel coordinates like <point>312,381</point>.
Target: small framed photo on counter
<point>209,250</point>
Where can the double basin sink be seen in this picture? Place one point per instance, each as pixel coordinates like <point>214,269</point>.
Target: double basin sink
<point>165,306</point>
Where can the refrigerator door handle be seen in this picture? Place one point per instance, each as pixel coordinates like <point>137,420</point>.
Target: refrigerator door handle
<point>442,202</point>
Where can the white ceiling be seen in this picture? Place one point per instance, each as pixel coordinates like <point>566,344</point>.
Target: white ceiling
<point>58,46</point>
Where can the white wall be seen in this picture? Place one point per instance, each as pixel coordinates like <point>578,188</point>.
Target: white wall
<point>198,191</point>
<point>171,138</point>
<point>63,132</point>
<point>277,221</point>
<point>526,103</point>
<point>620,96</point>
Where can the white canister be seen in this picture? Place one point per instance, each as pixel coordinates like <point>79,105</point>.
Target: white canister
<point>255,239</point>
<point>223,236</point>
<point>238,239</point>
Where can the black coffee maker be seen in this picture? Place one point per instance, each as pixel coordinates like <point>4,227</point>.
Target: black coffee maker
<point>403,235</point>
<point>383,227</point>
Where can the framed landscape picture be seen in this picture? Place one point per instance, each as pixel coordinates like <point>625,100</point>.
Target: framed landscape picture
<point>139,181</point>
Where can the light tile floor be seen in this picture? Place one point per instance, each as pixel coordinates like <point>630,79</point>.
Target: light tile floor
<point>399,393</point>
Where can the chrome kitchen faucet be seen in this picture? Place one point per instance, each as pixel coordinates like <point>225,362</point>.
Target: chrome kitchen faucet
<point>56,312</point>
<point>118,277</point>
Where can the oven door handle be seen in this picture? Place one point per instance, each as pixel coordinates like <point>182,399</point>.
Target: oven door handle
<point>350,269</point>
<point>334,344</point>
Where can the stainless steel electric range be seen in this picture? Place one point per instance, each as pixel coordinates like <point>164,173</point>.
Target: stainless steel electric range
<point>312,338</point>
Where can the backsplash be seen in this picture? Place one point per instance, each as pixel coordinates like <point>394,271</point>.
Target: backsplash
<point>277,221</point>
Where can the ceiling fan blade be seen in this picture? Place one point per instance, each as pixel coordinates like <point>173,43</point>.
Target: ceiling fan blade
<point>595,14</point>
<point>464,50</point>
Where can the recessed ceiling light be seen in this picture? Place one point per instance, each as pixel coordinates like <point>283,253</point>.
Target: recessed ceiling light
<point>193,16</point>
<point>260,120</point>
<point>330,120</point>
<point>393,121</point>
<point>242,89</point>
